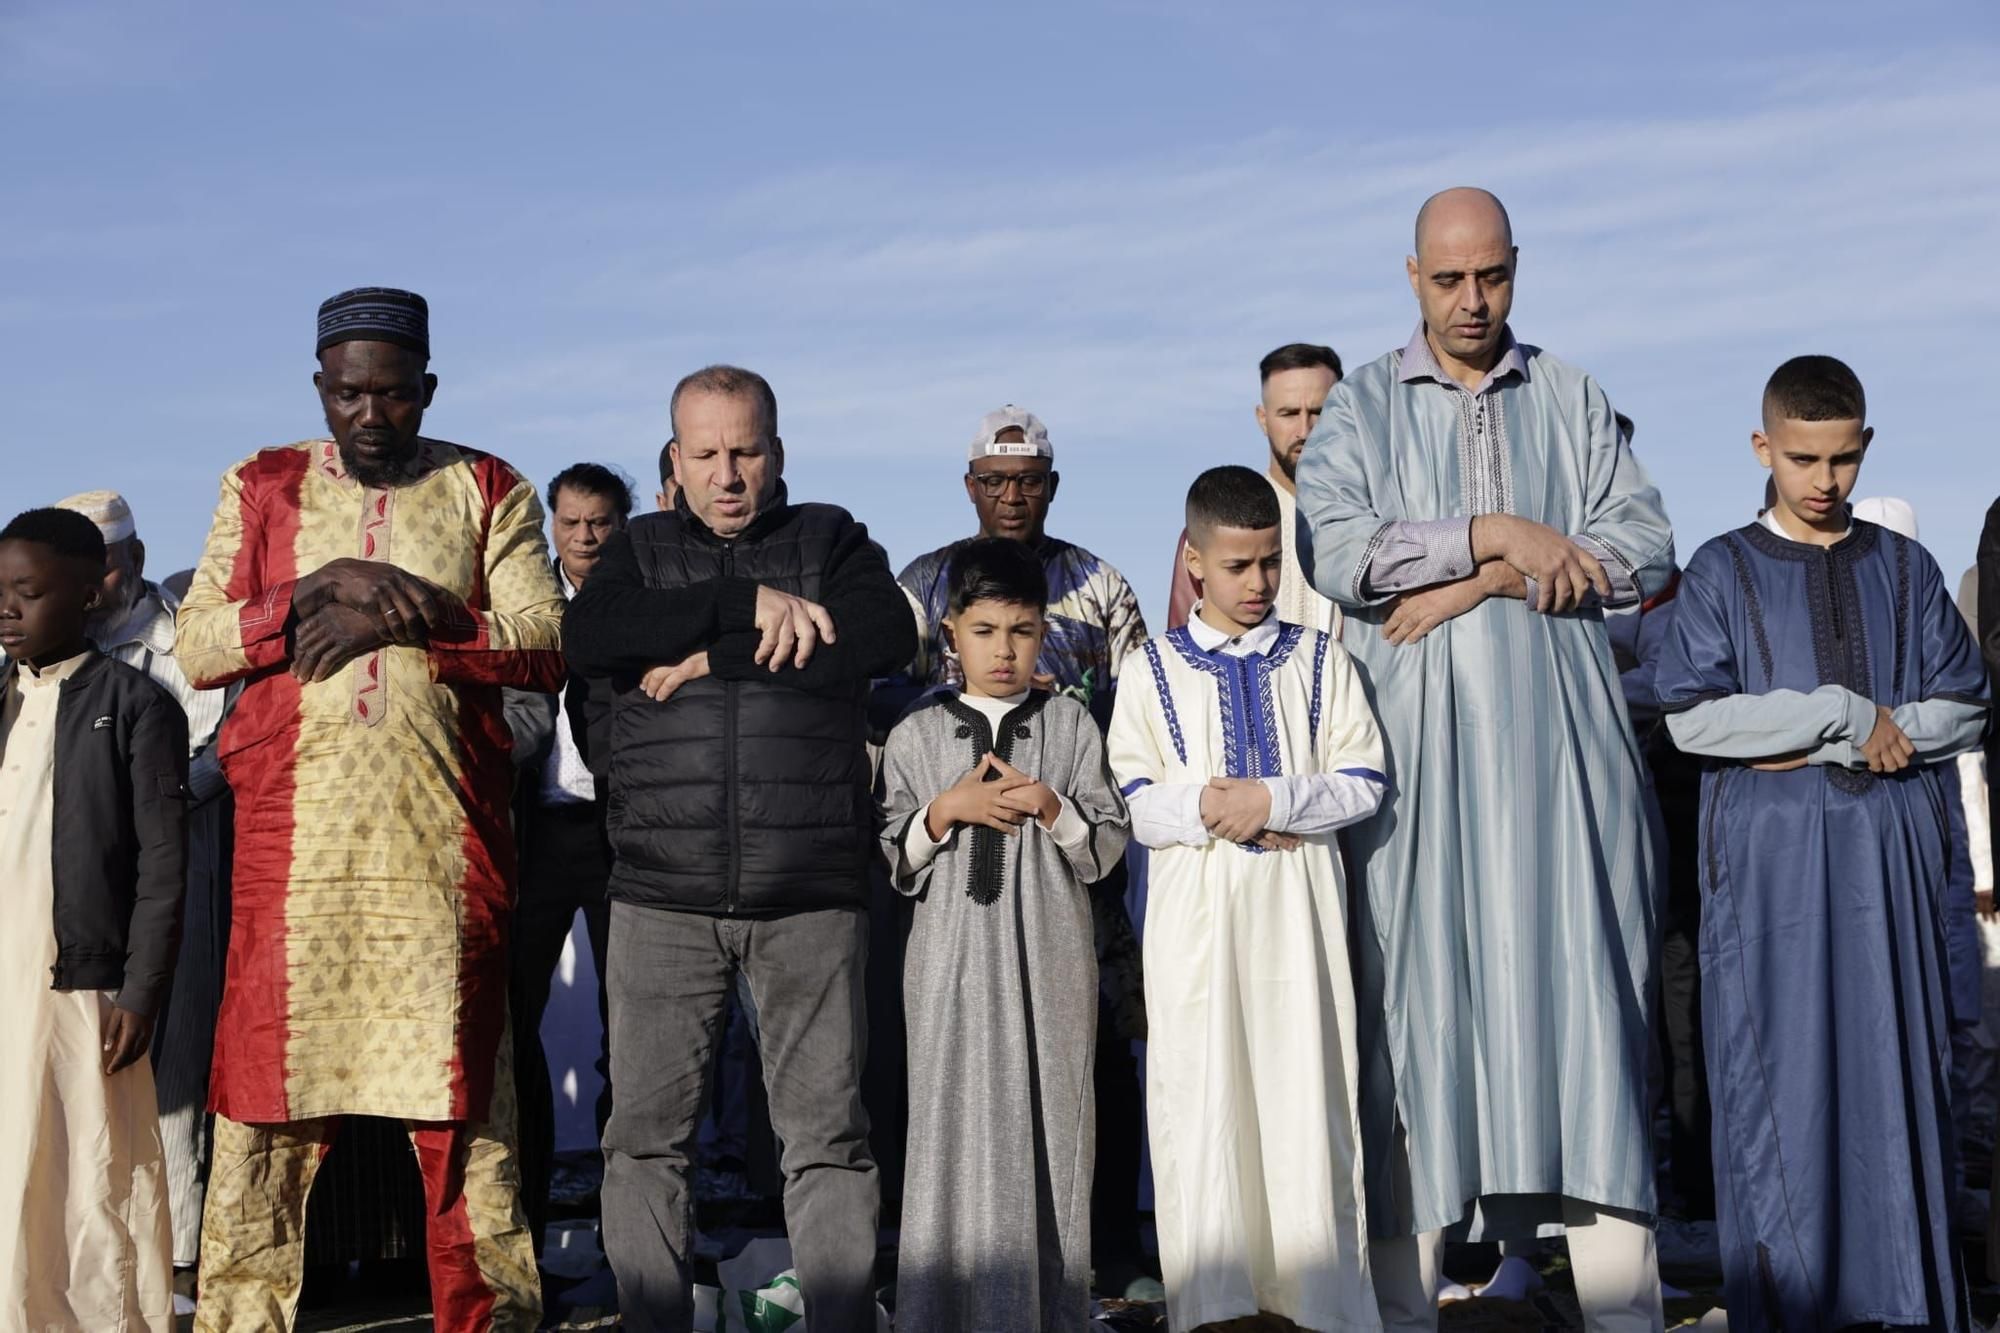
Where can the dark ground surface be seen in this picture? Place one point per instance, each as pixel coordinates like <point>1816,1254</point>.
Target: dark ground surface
<point>392,1297</point>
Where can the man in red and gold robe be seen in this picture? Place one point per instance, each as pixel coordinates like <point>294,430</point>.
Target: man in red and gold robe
<point>374,591</point>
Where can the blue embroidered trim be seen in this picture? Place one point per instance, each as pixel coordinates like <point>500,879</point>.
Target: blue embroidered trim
<point>1166,698</point>
<point>1134,785</point>
<point>1319,678</point>
<point>1903,610</point>
<point>1380,779</point>
<point>1243,692</point>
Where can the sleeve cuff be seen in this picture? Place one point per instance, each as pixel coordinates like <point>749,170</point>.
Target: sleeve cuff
<point>734,656</point>
<point>1281,804</point>
<point>918,845</point>
<point>1618,570</point>
<point>735,605</point>
<point>1860,716</point>
<point>458,627</point>
<point>1070,831</point>
<point>137,998</point>
<point>1409,554</point>
<point>263,622</point>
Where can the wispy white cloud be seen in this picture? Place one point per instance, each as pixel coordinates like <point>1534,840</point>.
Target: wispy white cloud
<point>1127,301</point>
<point>1844,205</point>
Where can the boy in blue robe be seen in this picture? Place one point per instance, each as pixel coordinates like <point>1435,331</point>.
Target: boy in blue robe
<point>1817,665</point>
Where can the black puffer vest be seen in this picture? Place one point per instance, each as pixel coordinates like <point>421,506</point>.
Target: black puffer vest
<point>741,797</point>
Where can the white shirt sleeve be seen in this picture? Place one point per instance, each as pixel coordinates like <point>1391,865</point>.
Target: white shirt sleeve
<point>1309,804</point>
<point>1070,832</point>
<point>918,846</point>
<point>1168,814</point>
<point>1978,825</point>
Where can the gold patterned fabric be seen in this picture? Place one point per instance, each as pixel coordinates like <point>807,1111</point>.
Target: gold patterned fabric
<point>374,861</point>
<point>482,1263</point>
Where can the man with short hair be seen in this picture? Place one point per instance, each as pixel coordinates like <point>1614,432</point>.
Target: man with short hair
<point>1470,502</point>
<point>559,827</point>
<point>740,632</point>
<point>1296,379</point>
<point>135,625</point>
<point>1094,622</point>
<point>375,591</point>
<point>663,498</point>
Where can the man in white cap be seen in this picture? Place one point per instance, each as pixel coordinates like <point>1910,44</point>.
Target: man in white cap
<point>1094,617</point>
<point>135,624</point>
<point>1094,621</point>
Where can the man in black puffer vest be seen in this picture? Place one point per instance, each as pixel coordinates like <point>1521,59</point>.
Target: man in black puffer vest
<point>740,633</point>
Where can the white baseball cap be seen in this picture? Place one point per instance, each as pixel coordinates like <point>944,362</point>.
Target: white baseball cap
<point>1035,445</point>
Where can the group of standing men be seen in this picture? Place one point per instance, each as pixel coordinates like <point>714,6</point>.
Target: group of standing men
<point>371,599</point>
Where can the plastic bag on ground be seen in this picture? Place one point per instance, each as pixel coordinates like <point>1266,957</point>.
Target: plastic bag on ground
<point>760,1293</point>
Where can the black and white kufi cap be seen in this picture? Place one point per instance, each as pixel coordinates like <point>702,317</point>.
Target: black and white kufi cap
<point>375,314</point>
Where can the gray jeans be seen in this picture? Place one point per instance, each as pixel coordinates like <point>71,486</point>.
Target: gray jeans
<point>669,977</point>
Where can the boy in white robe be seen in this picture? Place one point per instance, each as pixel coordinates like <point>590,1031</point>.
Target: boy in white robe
<point>1241,745</point>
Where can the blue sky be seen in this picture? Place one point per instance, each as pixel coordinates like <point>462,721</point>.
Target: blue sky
<point>906,214</point>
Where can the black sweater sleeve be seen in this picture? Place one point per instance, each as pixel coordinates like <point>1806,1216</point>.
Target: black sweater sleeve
<point>619,627</point>
<point>159,762</point>
<point>875,631</point>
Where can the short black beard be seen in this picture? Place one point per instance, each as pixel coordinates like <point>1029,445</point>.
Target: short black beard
<point>1285,464</point>
<point>396,472</point>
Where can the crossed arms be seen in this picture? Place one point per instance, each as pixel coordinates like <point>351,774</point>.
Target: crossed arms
<point>239,620</point>
<point>737,629</point>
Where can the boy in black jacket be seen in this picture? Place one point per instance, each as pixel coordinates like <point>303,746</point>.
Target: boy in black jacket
<point>93,776</point>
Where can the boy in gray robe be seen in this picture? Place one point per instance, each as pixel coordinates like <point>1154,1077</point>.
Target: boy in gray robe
<point>1000,812</point>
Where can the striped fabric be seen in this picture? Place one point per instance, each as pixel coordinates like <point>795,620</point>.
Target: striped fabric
<point>1505,892</point>
<point>375,314</point>
<point>374,860</point>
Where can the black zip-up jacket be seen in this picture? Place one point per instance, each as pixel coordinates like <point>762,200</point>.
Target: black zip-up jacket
<point>747,792</point>
<point>121,762</point>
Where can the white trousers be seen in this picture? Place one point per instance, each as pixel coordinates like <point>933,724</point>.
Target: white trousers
<point>1616,1265</point>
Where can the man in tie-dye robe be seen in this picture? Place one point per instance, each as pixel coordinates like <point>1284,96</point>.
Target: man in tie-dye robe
<point>373,592</point>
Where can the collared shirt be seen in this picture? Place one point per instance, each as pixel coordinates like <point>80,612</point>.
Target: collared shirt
<point>1769,518</point>
<point>1417,554</point>
<point>144,639</point>
<point>1301,803</point>
<point>566,779</point>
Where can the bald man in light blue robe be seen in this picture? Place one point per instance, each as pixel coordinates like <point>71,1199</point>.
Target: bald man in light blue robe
<point>1470,502</point>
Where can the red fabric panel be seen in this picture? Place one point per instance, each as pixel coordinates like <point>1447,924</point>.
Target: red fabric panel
<point>486,761</point>
<point>539,669</point>
<point>259,750</point>
<point>461,1302</point>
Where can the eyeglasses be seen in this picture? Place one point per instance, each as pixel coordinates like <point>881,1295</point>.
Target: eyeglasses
<point>993,485</point>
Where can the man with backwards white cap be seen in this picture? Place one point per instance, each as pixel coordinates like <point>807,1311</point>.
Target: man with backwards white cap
<point>1093,622</point>
<point>136,626</point>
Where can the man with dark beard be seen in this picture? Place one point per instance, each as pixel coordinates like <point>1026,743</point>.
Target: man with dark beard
<point>1295,379</point>
<point>374,591</point>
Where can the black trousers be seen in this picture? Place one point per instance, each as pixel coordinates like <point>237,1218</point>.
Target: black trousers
<point>1115,1244</point>
<point>1691,1171</point>
<point>565,864</point>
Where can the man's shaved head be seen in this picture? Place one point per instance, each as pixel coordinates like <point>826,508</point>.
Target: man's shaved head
<point>1463,277</point>
<point>1464,207</point>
